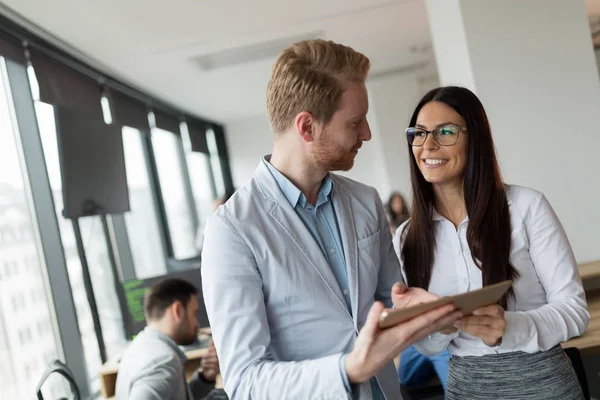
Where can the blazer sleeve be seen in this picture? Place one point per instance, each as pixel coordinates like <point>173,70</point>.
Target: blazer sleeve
<point>232,287</point>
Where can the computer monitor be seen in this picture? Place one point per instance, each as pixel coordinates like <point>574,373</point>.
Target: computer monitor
<point>135,290</point>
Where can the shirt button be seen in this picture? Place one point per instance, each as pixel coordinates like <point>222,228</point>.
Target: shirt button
<point>332,251</point>
<point>346,292</point>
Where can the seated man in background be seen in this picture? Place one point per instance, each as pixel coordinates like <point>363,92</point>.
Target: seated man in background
<point>153,364</point>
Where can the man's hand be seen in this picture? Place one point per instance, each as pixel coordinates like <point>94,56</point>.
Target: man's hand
<point>486,323</point>
<point>210,364</point>
<point>374,347</point>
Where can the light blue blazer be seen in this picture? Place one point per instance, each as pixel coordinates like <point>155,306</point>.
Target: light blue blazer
<point>278,317</point>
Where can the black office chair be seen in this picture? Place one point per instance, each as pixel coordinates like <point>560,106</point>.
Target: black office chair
<point>60,368</point>
<point>575,357</point>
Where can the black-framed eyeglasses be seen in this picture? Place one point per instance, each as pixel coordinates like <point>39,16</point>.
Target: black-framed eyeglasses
<point>446,135</point>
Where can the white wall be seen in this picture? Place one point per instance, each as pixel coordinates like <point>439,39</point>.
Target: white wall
<point>540,87</point>
<point>382,162</point>
<point>370,167</point>
<point>393,99</point>
<point>247,141</point>
<point>251,138</point>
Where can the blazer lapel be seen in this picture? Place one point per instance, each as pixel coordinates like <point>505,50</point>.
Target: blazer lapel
<point>343,210</point>
<point>292,225</point>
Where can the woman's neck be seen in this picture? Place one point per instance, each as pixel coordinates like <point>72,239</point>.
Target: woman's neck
<point>449,201</point>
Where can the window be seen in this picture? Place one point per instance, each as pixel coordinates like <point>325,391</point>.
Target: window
<point>170,174</point>
<point>215,162</point>
<point>200,175</point>
<point>18,352</point>
<point>142,221</point>
<point>97,256</point>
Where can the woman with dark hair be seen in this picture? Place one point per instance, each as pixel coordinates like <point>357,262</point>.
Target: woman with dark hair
<point>467,230</point>
<point>397,211</point>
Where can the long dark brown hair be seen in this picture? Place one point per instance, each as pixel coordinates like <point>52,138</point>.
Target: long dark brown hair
<point>488,232</point>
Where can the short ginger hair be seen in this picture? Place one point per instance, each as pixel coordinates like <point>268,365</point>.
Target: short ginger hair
<point>310,75</point>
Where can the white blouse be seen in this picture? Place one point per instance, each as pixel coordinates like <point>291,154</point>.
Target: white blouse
<point>549,306</point>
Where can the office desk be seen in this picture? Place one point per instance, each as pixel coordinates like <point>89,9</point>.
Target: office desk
<point>589,270</point>
<point>589,342</point>
<point>108,372</point>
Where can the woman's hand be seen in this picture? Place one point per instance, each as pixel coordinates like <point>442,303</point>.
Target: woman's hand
<point>403,296</point>
<point>486,323</point>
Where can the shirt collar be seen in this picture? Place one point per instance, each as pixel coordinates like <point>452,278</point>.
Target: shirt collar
<point>294,195</point>
<point>438,217</point>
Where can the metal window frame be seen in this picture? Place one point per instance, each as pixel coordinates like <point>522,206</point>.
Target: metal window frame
<point>187,183</point>
<point>53,262</point>
<point>223,151</point>
<point>120,238</point>
<point>157,196</point>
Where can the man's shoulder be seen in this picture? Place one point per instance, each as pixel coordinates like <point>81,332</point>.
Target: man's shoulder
<point>354,188</point>
<point>247,202</point>
<point>137,352</point>
<point>148,359</point>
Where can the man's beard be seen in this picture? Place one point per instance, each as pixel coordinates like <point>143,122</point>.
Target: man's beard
<point>185,337</point>
<point>333,157</point>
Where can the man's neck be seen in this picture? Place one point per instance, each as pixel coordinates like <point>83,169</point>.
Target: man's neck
<point>162,328</point>
<point>304,174</point>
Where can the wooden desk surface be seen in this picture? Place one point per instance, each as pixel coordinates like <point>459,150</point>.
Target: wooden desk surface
<point>589,270</point>
<point>590,341</point>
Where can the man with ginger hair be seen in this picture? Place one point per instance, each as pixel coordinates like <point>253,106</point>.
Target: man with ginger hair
<point>299,264</point>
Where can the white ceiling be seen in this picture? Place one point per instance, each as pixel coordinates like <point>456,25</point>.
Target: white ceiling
<point>152,43</point>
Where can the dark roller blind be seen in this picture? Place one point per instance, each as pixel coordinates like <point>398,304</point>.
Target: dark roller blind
<point>92,165</point>
<point>11,50</point>
<point>166,121</point>
<point>197,130</point>
<point>126,110</point>
<point>62,86</point>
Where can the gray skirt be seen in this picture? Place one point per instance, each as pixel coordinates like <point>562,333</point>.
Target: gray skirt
<point>546,375</point>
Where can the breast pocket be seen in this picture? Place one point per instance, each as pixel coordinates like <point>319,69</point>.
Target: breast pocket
<point>369,255</point>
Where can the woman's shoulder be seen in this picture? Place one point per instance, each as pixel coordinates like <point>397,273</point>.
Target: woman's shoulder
<point>524,200</point>
<point>521,195</point>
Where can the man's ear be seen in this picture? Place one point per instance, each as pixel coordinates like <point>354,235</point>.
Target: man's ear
<point>305,124</point>
<point>178,311</point>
